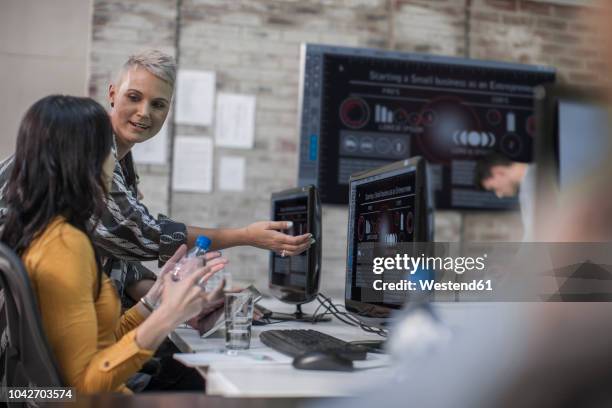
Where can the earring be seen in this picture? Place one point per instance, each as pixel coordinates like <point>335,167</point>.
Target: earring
<point>112,104</point>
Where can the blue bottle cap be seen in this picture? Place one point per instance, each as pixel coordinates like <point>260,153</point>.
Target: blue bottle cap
<point>203,242</point>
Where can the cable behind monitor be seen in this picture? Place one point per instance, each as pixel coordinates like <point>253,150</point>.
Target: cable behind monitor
<point>330,308</point>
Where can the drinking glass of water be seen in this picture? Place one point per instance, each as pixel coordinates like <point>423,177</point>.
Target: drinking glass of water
<point>238,320</point>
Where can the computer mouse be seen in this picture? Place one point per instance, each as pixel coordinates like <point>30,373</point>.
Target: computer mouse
<point>320,360</point>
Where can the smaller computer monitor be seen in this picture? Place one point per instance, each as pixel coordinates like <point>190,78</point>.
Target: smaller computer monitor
<point>295,279</point>
<point>390,212</point>
<point>571,143</point>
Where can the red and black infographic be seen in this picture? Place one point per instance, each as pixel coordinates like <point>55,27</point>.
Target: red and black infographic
<point>373,108</point>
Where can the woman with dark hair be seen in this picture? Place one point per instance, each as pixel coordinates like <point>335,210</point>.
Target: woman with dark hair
<point>63,171</point>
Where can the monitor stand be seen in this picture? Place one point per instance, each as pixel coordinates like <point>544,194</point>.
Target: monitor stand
<point>298,316</point>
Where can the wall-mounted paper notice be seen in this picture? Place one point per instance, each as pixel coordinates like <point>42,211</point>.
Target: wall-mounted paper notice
<point>195,95</point>
<point>192,164</point>
<point>235,120</point>
<point>154,150</point>
<point>231,173</point>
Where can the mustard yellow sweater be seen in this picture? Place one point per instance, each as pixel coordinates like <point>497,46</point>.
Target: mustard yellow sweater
<point>92,342</point>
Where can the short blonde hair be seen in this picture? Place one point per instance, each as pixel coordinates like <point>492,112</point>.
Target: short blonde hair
<point>158,63</point>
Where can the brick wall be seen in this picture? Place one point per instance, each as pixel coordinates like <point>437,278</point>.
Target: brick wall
<point>119,29</point>
<point>253,47</point>
<point>538,33</point>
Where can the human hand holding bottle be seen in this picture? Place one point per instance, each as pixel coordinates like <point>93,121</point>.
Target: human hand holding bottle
<point>186,298</point>
<point>153,296</point>
<point>180,301</point>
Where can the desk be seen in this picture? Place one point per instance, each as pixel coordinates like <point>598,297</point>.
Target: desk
<point>179,399</point>
<point>280,379</point>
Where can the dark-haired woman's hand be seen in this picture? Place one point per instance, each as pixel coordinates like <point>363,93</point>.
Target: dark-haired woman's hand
<point>154,294</point>
<point>180,301</point>
<point>185,299</point>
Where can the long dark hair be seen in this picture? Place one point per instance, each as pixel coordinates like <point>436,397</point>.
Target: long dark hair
<point>62,144</point>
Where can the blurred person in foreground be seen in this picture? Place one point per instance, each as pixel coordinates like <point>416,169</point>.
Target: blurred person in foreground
<point>519,355</point>
<point>514,354</point>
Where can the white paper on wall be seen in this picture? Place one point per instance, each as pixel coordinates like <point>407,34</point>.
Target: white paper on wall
<point>195,96</point>
<point>235,120</point>
<point>192,164</point>
<point>154,150</point>
<point>231,173</point>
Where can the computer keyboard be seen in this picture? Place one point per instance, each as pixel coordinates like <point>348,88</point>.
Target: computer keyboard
<point>297,342</point>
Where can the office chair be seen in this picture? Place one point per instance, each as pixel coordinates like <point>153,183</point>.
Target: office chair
<point>28,360</point>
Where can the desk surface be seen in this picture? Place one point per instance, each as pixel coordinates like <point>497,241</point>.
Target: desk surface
<point>179,399</point>
<point>278,378</point>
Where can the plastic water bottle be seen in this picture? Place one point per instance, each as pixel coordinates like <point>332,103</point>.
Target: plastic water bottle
<point>195,258</point>
<point>214,281</point>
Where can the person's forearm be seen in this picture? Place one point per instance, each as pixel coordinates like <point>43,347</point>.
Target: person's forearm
<point>142,309</point>
<point>152,332</point>
<point>221,237</point>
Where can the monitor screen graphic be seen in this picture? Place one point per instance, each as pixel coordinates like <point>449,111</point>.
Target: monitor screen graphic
<point>361,109</point>
<point>383,221</point>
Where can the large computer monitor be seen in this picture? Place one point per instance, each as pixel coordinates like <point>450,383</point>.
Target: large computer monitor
<point>295,279</point>
<point>572,141</point>
<point>364,108</point>
<point>390,213</point>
